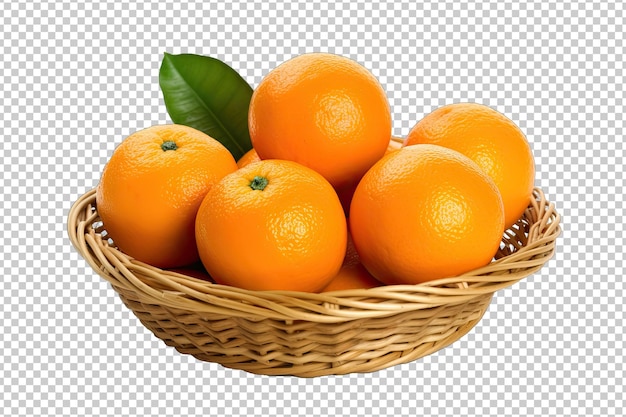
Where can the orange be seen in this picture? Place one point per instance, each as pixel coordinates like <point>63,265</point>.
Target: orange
<point>152,187</point>
<point>352,274</point>
<point>425,212</point>
<point>491,140</point>
<point>248,158</point>
<point>324,111</point>
<point>353,277</point>
<point>272,225</point>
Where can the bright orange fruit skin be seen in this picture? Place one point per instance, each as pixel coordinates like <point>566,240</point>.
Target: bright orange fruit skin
<point>148,197</point>
<point>324,111</point>
<point>425,212</point>
<point>248,158</point>
<point>289,235</point>
<point>352,274</point>
<point>491,140</point>
<point>353,277</point>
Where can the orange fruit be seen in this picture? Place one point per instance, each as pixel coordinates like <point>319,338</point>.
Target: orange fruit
<point>425,212</point>
<point>353,277</point>
<point>491,140</point>
<point>272,225</point>
<point>324,111</point>
<point>151,189</point>
<point>352,274</point>
<point>248,158</point>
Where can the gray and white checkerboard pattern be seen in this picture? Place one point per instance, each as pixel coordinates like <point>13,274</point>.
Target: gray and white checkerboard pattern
<point>76,77</point>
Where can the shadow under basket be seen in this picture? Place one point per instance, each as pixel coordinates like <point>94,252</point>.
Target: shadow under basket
<point>308,334</point>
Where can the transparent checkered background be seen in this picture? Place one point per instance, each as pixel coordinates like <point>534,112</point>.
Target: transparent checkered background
<point>77,77</point>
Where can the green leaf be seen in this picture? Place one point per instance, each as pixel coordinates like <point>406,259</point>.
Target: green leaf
<point>208,95</point>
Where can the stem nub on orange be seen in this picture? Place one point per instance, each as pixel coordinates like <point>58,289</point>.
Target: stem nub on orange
<point>152,187</point>
<point>272,225</point>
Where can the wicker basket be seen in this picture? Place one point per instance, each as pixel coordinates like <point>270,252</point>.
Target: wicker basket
<point>305,334</point>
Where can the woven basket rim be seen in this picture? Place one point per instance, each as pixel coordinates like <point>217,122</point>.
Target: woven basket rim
<point>531,243</point>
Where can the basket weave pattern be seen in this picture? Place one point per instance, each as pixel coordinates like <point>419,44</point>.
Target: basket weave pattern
<point>306,334</point>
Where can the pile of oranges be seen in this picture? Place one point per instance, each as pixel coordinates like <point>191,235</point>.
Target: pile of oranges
<point>323,201</point>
